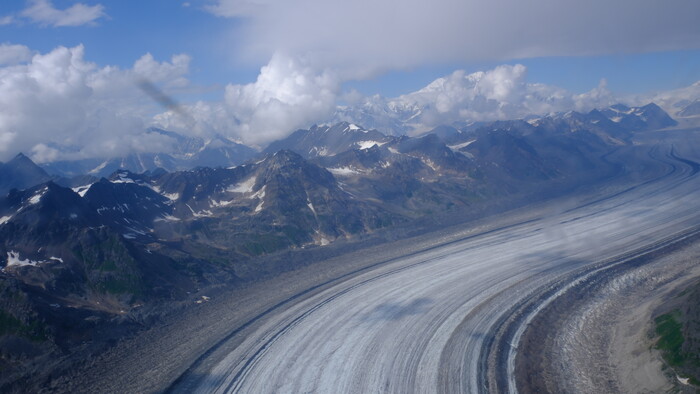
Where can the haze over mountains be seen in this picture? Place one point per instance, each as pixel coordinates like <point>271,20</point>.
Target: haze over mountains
<point>219,151</point>
<point>113,120</point>
<point>499,94</point>
<point>189,152</point>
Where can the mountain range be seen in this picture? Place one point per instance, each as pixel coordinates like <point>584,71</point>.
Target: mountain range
<point>379,122</point>
<point>189,152</point>
<point>88,257</point>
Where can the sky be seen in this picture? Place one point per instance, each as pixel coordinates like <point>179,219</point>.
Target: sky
<point>72,72</point>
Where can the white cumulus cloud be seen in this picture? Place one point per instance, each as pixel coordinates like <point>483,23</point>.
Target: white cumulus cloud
<point>12,54</point>
<point>287,94</point>
<point>497,94</point>
<point>44,13</point>
<point>353,40</point>
<point>57,105</point>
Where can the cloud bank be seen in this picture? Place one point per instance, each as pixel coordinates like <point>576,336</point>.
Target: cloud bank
<point>13,54</point>
<point>288,94</point>
<point>673,100</point>
<point>501,93</point>
<point>362,37</point>
<point>59,106</point>
<point>498,94</point>
<point>341,40</point>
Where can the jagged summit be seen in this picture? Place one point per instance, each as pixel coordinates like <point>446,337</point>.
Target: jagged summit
<point>647,117</point>
<point>20,173</point>
<point>329,140</point>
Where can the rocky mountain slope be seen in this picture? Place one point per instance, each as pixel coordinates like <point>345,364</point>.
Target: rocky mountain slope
<point>20,173</point>
<point>85,261</point>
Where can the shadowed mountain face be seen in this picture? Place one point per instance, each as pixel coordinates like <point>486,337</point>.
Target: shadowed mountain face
<point>329,140</point>
<point>611,124</point>
<point>648,117</point>
<point>288,200</point>
<point>97,257</point>
<point>20,173</point>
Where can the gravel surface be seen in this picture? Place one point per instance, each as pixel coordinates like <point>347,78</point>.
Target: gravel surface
<point>152,360</point>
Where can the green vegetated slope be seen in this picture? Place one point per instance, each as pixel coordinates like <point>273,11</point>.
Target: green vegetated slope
<point>678,333</point>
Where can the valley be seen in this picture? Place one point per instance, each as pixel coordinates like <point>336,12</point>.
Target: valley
<point>428,322</point>
<point>323,196</point>
<point>445,242</point>
<point>442,305</point>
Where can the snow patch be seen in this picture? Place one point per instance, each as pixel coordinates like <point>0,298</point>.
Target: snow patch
<point>98,168</point>
<point>123,179</point>
<point>218,204</point>
<point>343,171</point>
<point>167,218</point>
<point>81,190</point>
<point>260,193</point>
<point>171,196</point>
<point>369,144</point>
<point>129,236</point>
<point>136,231</point>
<point>201,214</point>
<point>323,151</point>
<point>394,151</point>
<point>13,260</point>
<point>460,146</point>
<point>311,206</point>
<point>5,219</point>
<point>37,197</point>
<point>60,260</point>
<point>121,208</point>
<point>430,164</point>
<point>244,187</point>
